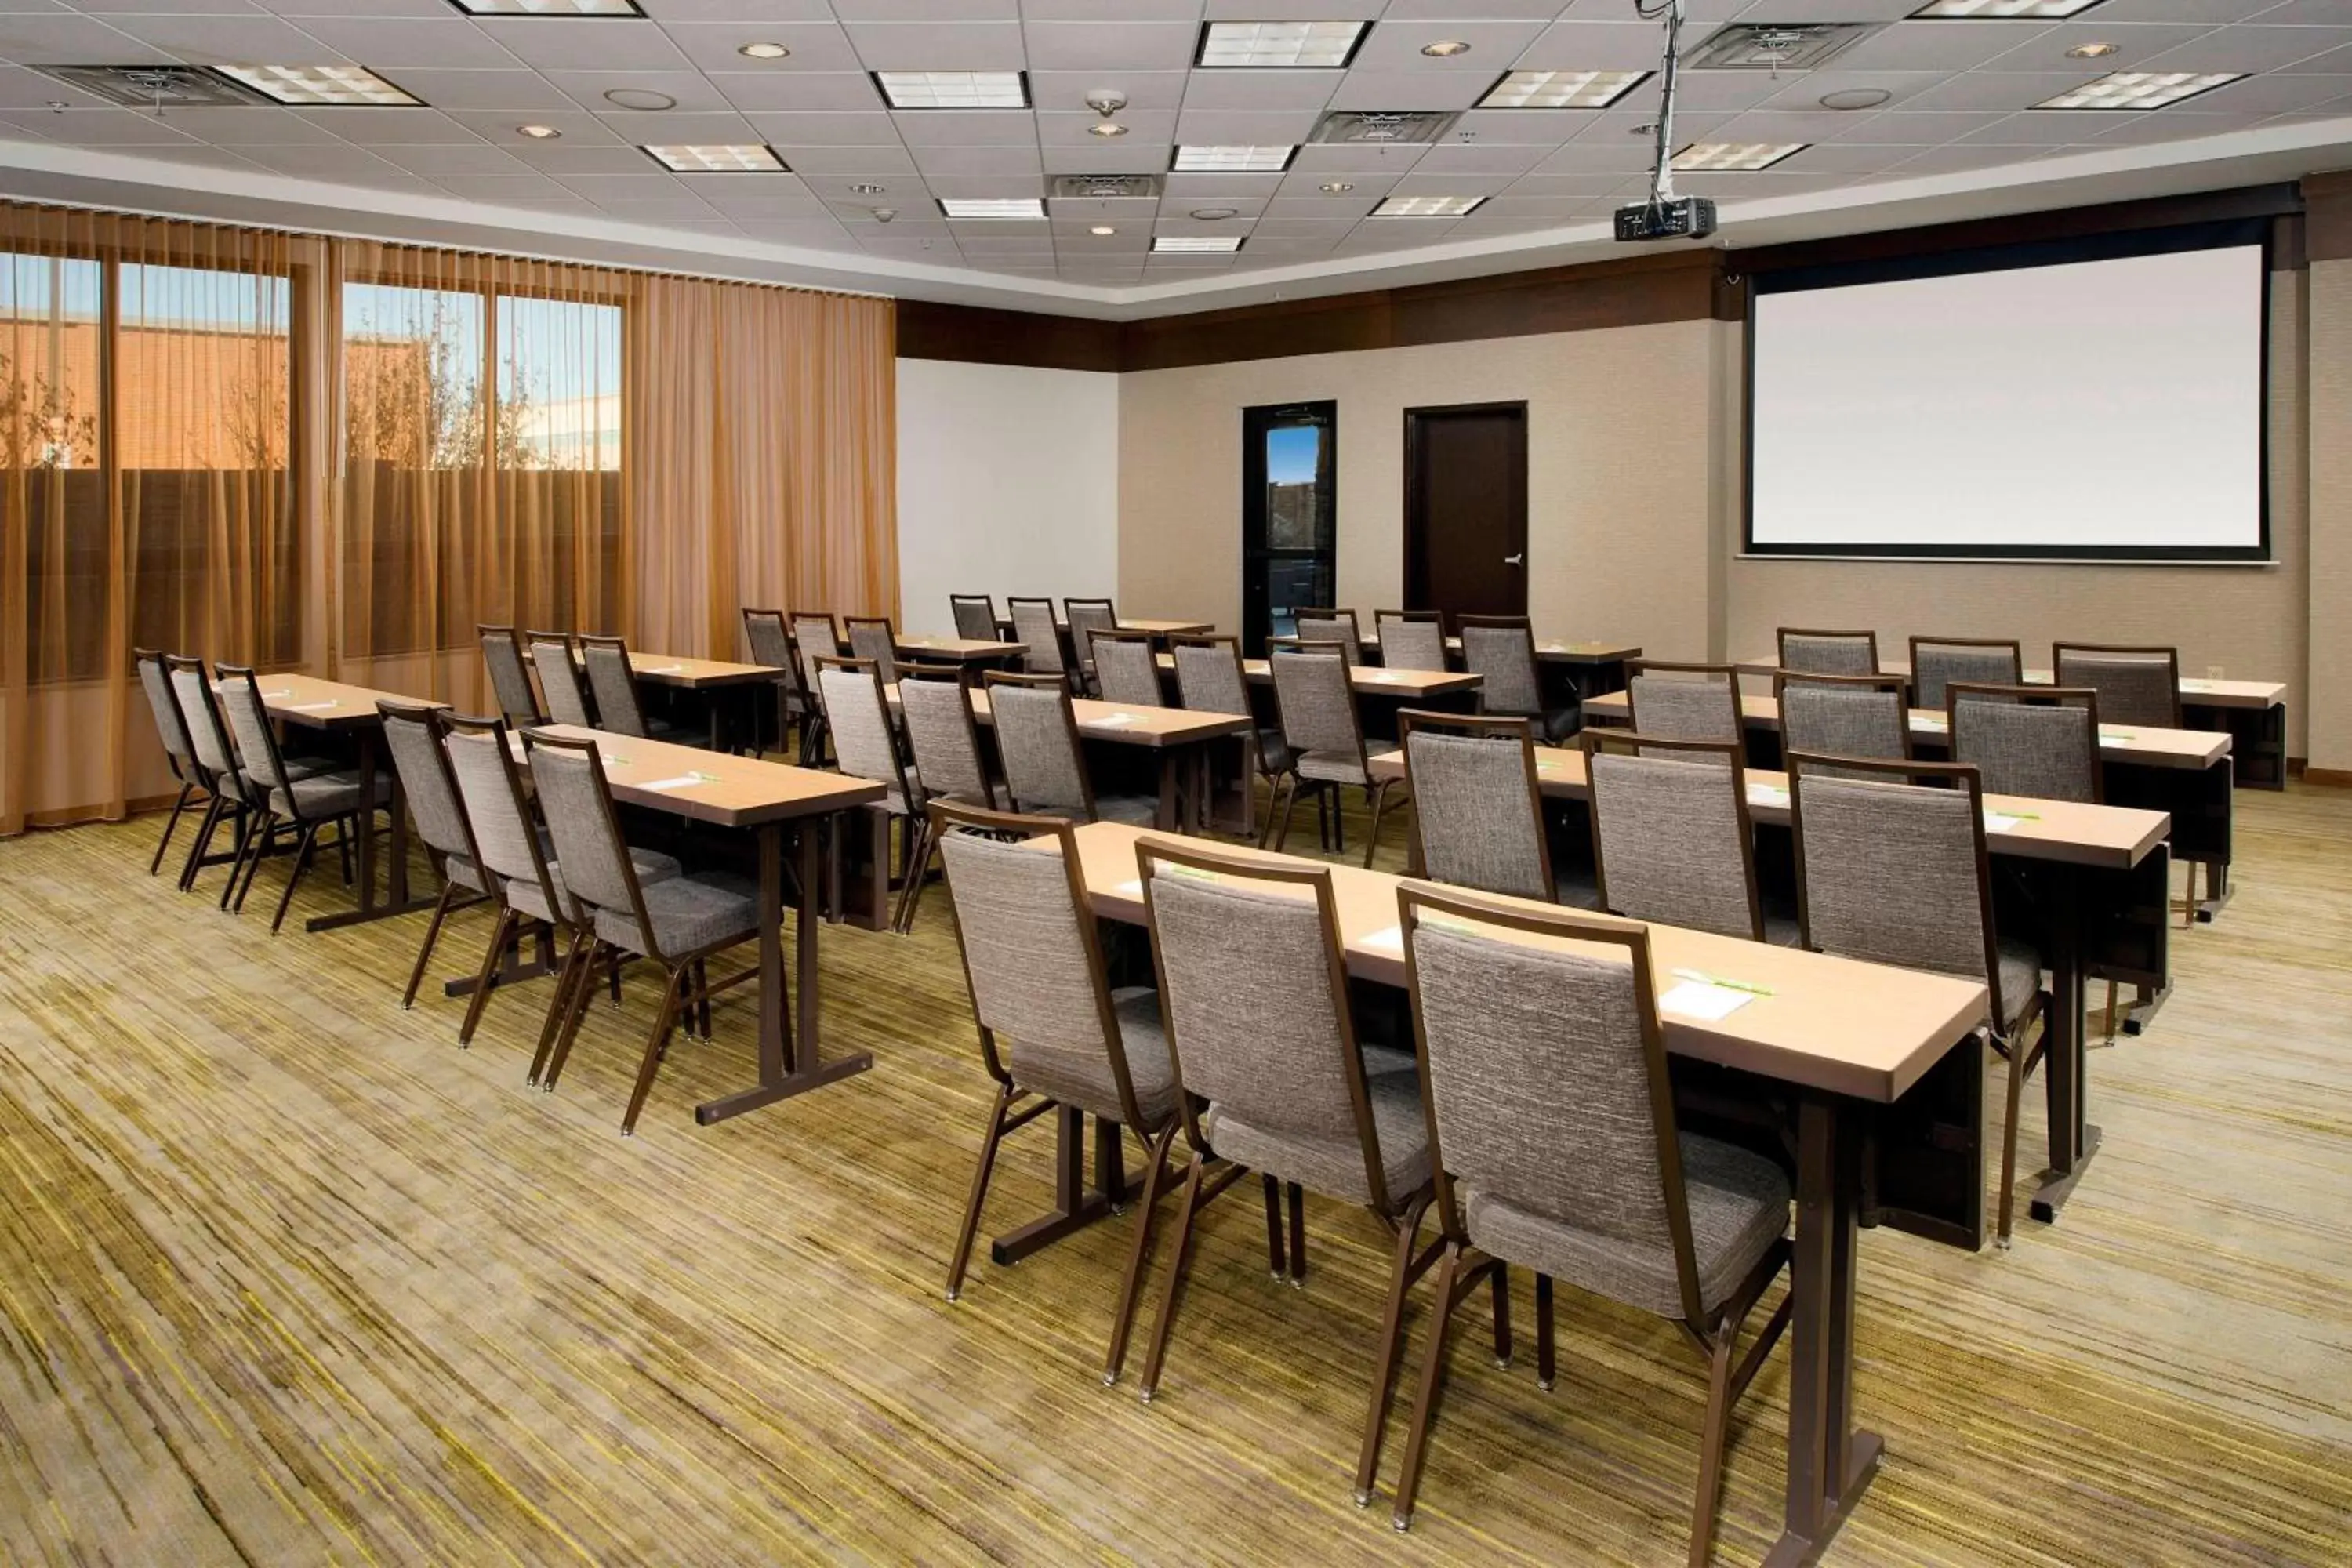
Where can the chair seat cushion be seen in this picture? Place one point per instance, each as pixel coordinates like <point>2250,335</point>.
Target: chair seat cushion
<point>1335,1166</point>
<point>688,913</point>
<point>1739,1208</point>
<point>2020,980</point>
<point>1330,767</point>
<point>652,867</point>
<point>1082,1079</point>
<point>464,872</point>
<point>325,795</point>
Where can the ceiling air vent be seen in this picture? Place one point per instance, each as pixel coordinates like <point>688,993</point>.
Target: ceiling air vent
<point>1357,127</point>
<point>1105,187</point>
<point>1775,45</point>
<point>157,87</point>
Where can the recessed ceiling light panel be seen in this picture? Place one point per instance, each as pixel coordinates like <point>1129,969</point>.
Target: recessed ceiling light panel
<point>1232,160</point>
<point>1427,206</point>
<point>548,7</point>
<point>753,159</point>
<point>1562,90</point>
<point>1995,10</point>
<point>992,206</point>
<point>1733,157</point>
<point>313,85</point>
<point>953,89</point>
<point>1275,45</point>
<point>1196,244</point>
<point>2139,89</point>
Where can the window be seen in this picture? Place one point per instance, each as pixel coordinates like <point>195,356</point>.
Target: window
<point>50,333</point>
<point>1289,516</point>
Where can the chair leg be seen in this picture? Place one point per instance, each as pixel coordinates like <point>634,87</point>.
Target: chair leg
<point>1274,1260</point>
<point>343,843</point>
<point>702,999</point>
<point>1501,1284</point>
<point>500,934</point>
<point>656,1043</point>
<point>302,850</point>
<point>1384,1365</point>
<point>1711,1442</point>
<point>613,977</point>
<point>2112,1020</point>
<point>573,977</point>
<point>1280,820</point>
<point>1433,1380</point>
<point>203,842</point>
<point>171,822</point>
<point>1139,1256</point>
<point>1187,1207</point>
<point>567,1032</point>
<point>1544,1367</point>
<point>919,858</point>
<point>979,1190</point>
<point>2017,1061</point>
<point>254,832</point>
<point>1372,833</point>
<point>1297,1236</point>
<point>424,952</point>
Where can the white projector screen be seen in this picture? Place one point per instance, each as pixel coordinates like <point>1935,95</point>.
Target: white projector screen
<point>2106,408</point>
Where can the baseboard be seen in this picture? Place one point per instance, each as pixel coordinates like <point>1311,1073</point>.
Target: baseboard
<point>2331,778</point>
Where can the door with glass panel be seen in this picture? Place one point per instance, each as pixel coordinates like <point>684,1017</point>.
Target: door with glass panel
<point>1289,516</point>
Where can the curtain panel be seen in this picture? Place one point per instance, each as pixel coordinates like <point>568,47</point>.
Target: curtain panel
<point>340,455</point>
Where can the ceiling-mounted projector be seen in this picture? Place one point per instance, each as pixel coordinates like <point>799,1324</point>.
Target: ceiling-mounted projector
<point>1687,217</point>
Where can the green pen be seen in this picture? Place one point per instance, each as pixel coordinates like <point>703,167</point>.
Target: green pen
<point>2020,815</point>
<point>1720,984</point>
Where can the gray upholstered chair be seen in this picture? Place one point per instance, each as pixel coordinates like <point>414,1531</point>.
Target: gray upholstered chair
<point>1410,639</point>
<point>619,709</point>
<point>1270,1077</point>
<point>857,706</point>
<point>1125,669</point>
<point>1477,808</point>
<point>1209,680</point>
<point>1987,662</point>
<point>2040,740</point>
<point>936,709</point>
<point>558,678</point>
<point>1326,624</point>
<point>1086,617</point>
<point>677,923</point>
<point>1502,649</point>
<point>813,634</point>
<point>1668,701</point>
<point>871,638</point>
<point>1044,769</point>
<point>510,677</point>
<point>1893,871</point>
<point>770,639</point>
<point>1671,840</point>
<point>411,738</point>
<point>304,804</point>
<point>1053,1032</point>
<point>2136,685</point>
<point>1316,702</point>
<point>1036,626</point>
<point>179,750</point>
<point>1828,653</point>
<point>1843,715</point>
<point>217,765</point>
<point>1552,1134</point>
<point>975,616</point>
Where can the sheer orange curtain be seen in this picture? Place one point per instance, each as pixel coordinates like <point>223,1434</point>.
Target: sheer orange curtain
<point>767,423</point>
<point>147,485</point>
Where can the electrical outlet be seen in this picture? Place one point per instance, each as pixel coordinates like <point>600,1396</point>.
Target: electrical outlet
<point>2212,672</point>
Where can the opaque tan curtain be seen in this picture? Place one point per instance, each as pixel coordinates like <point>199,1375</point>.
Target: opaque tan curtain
<point>768,419</point>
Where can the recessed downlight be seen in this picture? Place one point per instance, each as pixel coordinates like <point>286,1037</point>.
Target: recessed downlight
<point>1446,48</point>
<point>540,132</point>
<point>2090,51</point>
<point>1338,187</point>
<point>1102,228</point>
<point>1107,128</point>
<point>764,52</point>
<point>641,98</point>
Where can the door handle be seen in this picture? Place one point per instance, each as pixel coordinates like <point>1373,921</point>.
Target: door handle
<point>1518,560</point>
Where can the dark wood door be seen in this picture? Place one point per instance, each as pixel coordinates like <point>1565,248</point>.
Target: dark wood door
<point>1466,509</point>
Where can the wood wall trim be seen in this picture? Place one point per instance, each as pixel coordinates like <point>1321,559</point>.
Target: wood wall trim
<point>2327,216</point>
<point>982,336</point>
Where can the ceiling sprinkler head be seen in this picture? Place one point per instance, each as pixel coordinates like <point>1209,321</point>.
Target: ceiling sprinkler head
<point>884,214</point>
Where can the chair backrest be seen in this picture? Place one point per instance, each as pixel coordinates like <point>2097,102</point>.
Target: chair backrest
<point>1843,715</point>
<point>1477,809</point>
<point>1988,661</point>
<point>1671,837</point>
<point>1034,624</point>
<point>1254,989</point>
<point>2028,739</point>
<point>2136,685</point>
<point>248,721</point>
<point>577,802</point>
<point>1037,742</point>
<point>558,676</point>
<point>854,706</point>
<point>936,706</point>
<point>1891,871</point>
<point>614,684</point>
<point>412,735</point>
<point>1086,617</point>
<point>975,616</point>
<point>497,809</point>
<point>872,640</point>
<point>1031,954</point>
<point>155,679</point>
<point>208,738</point>
<point>1686,702</point>
<point>1314,698</point>
<point>1209,677</point>
<point>1326,624</point>
<point>1502,648</point>
<point>509,679</point>
<point>1125,669</point>
<point>813,633</point>
<point>770,640</point>
<point>1410,639</point>
<point>1544,1074</point>
<point>1828,653</point>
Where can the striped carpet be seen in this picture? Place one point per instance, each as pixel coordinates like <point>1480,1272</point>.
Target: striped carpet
<point>288,1278</point>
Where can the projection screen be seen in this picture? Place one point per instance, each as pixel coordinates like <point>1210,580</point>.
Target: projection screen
<point>2022,402</point>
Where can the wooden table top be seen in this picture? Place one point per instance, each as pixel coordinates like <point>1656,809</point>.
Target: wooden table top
<point>674,669</point>
<point>1128,724</point>
<point>1369,679</point>
<point>2115,837</point>
<point>315,704</point>
<point>2140,744</point>
<point>1549,650</point>
<point>1135,624</point>
<point>712,787</point>
<point>961,650</point>
<point>2195,693</point>
<point>1864,1030</point>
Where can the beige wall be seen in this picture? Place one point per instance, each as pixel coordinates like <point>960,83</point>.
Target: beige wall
<point>2331,515</point>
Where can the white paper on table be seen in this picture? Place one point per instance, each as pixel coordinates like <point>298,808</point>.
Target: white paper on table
<point>1766,795</point>
<point>663,669</point>
<point>1112,721</point>
<point>281,691</point>
<point>2107,734</point>
<point>1131,889</point>
<point>1932,721</point>
<point>2000,821</point>
<point>2196,686</point>
<point>1697,999</point>
<point>683,780</point>
<point>310,706</point>
<point>1390,937</point>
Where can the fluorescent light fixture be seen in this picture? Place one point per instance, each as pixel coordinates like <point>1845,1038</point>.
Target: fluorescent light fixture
<point>992,206</point>
<point>1232,160</point>
<point>1426,206</point>
<point>753,159</point>
<point>1742,157</point>
<point>311,85</point>
<point>953,89</point>
<point>1562,90</point>
<point>1274,46</point>
<point>2139,89</point>
<point>1196,244</point>
<point>1994,10</point>
<point>548,7</point>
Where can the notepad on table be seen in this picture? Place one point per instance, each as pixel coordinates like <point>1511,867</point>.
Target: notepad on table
<point>683,780</point>
<point>1112,721</point>
<point>2107,734</point>
<point>310,706</point>
<point>662,669</point>
<point>1703,1001</point>
<point>1388,937</point>
<point>1935,721</point>
<point>2004,821</point>
<point>1131,890</point>
<point>1767,795</point>
<point>281,691</point>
